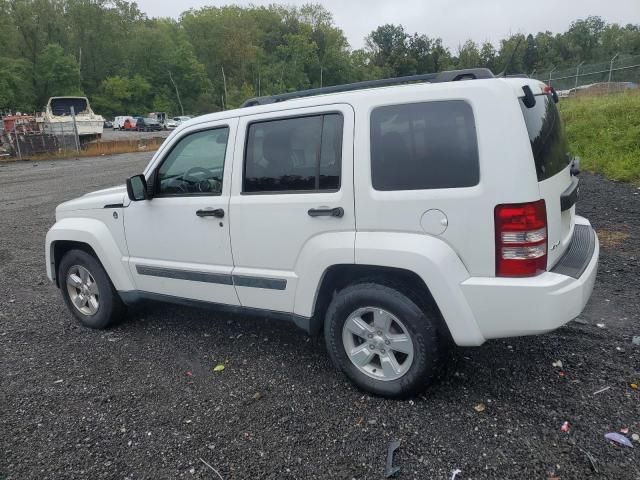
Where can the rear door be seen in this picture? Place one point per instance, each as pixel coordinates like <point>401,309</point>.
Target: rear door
<point>557,186</point>
<point>292,188</point>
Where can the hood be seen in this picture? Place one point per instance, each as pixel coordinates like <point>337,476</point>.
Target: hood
<point>97,199</point>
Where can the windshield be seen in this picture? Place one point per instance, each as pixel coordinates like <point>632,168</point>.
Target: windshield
<point>62,106</point>
<point>546,133</point>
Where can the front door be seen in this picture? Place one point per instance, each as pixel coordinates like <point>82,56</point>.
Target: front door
<point>179,240</point>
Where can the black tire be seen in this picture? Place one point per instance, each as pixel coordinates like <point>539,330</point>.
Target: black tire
<point>421,325</point>
<point>110,306</point>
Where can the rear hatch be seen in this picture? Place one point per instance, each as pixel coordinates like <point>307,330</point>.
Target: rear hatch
<point>558,187</point>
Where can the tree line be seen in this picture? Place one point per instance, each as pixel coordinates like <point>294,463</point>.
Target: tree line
<point>216,57</point>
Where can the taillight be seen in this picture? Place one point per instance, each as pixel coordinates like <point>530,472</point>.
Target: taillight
<point>521,239</point>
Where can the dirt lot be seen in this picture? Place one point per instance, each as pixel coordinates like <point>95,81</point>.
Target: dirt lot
<point>77,403</point>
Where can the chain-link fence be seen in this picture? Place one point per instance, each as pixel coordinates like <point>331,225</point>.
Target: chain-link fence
<point>620,73</point>
<point>26,136</point>
<point>30,137</point>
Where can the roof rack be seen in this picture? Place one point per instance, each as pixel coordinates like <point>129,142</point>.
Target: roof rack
<point>448,76</point>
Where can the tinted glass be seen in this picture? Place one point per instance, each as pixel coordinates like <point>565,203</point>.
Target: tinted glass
<point>294,154</point>
<point>195,165</point>
<point>423,146</point>
<point>548,143</point>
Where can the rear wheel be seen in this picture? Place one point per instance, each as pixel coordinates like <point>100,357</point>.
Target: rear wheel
<point>87,290</point>
<point>382,340</point>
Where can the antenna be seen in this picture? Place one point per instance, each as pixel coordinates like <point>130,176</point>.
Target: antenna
<point>508,64</point>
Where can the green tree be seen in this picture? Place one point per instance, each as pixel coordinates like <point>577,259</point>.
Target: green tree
<point>15,92</point>
<point>389,50</point>
<point>530,55</point>
<point>468,55</point>
<point>488,56</point>
<point>56,74</point>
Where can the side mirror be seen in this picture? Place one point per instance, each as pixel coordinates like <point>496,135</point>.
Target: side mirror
<point>137,188</point>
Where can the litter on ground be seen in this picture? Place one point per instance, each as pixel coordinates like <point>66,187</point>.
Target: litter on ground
<point>619,439</point>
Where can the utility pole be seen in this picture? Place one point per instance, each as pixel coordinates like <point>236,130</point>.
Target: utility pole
<point>577,73</point>
<point>611,70</point>
<point>177,92</point>
<point>224,81</point>
<point>15,131</point>
<point>75,129</point>
<point>552,70</point>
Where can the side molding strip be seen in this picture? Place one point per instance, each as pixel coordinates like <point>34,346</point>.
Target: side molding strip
<point>219,278</point>
<point>259,282</point>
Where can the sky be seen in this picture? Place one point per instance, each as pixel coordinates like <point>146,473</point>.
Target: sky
<point>454,21</point>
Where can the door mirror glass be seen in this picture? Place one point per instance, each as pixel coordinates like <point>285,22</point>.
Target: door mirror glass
<point>137,188</point>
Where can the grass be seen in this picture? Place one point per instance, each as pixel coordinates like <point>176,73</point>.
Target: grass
<point>605,132</point>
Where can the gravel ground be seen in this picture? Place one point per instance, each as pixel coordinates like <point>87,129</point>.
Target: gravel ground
<point>77,403</point>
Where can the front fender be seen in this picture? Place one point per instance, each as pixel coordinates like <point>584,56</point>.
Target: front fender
<point>439,267</point>
<point>98,236</point>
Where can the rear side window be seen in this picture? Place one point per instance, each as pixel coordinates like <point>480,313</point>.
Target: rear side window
<point>425,145</point>
<point>294,154</point>
<point>548,142</point>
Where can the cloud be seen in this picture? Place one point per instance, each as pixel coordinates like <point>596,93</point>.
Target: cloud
<point>453,21</point>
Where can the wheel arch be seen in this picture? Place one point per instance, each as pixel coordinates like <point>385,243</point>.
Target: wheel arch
<point>431,268</point>
<point>338,277</point>
<point>58,250</point>
<point>93,237</point>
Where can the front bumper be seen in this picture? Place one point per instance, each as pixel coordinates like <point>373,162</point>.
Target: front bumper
<point>509,307</point>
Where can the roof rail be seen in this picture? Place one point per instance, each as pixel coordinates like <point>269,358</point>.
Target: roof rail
<point>447,76</point>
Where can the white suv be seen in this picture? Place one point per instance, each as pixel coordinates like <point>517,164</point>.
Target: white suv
<point>396,218</point>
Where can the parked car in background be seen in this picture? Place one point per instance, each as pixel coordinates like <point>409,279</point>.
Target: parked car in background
<point>147,124</point>
<point>172,123</point>
<point>160,117</point>
<point>118,122</point>
<point>129,124</point>
<point>601,88</point>
<point>182,119</point>
<point>108,124</point>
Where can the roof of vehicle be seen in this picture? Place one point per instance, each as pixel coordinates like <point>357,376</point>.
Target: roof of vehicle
<point>513,83</point>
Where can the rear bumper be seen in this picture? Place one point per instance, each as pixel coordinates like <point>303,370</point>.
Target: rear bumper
<point>509,307</point>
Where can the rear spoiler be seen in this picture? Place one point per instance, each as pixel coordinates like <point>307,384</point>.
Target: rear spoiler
<point>529,99</point>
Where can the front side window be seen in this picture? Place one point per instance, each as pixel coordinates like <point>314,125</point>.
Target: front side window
<point>294,154</point>
<point>195,165</point>
<point>425,145</point>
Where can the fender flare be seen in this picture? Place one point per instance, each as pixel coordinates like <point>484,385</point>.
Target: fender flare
<point>95,234</point>
<point>437,264</point>
<point>318,254</point>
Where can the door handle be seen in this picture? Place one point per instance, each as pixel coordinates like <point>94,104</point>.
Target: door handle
<point>217,212</point>
<point>326,212</point>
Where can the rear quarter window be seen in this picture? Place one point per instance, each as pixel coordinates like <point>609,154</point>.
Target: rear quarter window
<point>546,134</point>
<point>425,145</point>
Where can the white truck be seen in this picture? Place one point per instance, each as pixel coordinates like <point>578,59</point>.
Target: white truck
<point>396,218</point>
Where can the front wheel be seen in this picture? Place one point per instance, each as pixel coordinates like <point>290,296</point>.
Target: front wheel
<point>382,340</point>
<point>88,291</point>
